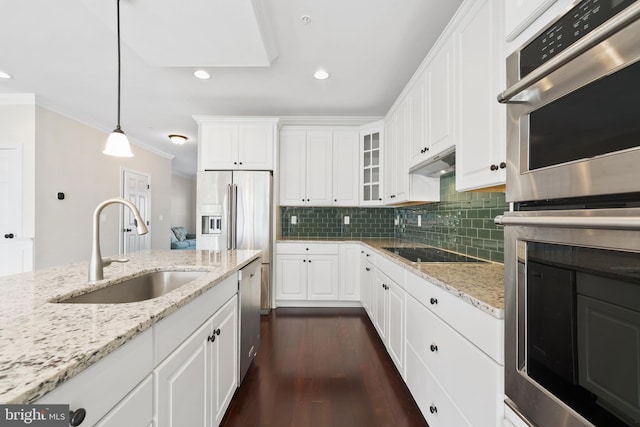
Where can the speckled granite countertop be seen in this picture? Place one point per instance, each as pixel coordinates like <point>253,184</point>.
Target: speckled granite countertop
<point>42,344</point>
<point>479,284</point>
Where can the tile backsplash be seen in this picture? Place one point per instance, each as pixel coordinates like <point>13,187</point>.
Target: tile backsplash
<point>461,222</point>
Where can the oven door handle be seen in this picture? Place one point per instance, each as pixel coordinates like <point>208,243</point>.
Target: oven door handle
<point>610,223</point>
<point>598,35</point>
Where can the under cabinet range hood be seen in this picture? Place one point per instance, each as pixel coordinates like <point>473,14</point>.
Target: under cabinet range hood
<point>437,165</point>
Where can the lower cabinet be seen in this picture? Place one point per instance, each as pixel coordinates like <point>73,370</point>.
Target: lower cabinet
<point>194,385</point>
<point>136,409</point>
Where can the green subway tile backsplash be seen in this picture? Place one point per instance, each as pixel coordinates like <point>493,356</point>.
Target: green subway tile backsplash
<point>461,222</point>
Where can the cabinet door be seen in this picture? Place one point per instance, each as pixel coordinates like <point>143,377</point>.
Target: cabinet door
<point>349,269</point>
<point>16,256</point>
<point>440,102</point>
<point>396,314</point>
<point>366,278</point>
<point>345,168</point>
<point>223,369</point>
<point>390,132</point>
<point>371,167</point>
<point>322,277</point>
<point>291,277</point>
<point>319,168</point>
<point>379,303</point>
<point>218,146</point>
<point>481,119</point>
<point>255,147</point>
<point>401,156</point>
<point>417,140</point>
<point>292,168</point>
<point>182,386</point>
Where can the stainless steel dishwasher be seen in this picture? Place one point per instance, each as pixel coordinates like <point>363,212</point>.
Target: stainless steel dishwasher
<point>249,289</point>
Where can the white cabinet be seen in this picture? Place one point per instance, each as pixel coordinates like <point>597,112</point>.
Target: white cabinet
<point>194,385</point>
<point>135,410</point>
<point>346,149</point>
<point>439,111</point>
<point>379,297</point>
<point>366,280</point>
<point>418,126</point>
<point>371,140</point>
<point>230,144</point>
<point>306,272</point>
<point>121,376</point>
<point>480,119</point>
<point>519,14</point>
<point>306,168</point>
<point>399,185</point>
<point>459,368</point>
<point>349,273</point>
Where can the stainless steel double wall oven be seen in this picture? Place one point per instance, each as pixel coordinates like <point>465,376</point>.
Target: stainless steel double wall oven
<point>572,240</point>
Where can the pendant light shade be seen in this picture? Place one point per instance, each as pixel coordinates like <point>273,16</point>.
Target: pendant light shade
<point>118,143</point>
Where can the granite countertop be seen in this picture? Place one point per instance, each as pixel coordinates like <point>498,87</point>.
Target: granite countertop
<point>42,344</point>
<point>479,284</point>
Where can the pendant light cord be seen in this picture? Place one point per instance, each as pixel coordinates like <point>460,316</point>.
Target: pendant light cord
<point>118,31</point>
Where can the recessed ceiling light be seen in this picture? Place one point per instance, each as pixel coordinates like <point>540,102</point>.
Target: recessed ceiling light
<point>178,139</point>
<point>305,19</point>
<point>4,75</point>
<point>321,75</point>
<point>202,74</point>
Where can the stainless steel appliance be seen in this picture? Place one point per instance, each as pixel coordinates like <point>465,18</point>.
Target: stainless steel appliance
<point>572,319</point>
<point>572,241</point>
<point>573,121</point>
<point>430,255</point>
<point>234,211</point>
<point>249,292</point>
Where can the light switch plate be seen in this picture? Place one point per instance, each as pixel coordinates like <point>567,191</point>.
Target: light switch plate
<point>346,220</point>
<point>294,219</point>
<point>419,220</point>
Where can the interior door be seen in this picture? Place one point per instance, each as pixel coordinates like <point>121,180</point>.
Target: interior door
<point>136,189</point>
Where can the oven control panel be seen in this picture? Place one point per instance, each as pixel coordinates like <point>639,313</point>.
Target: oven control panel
<point>571,27</point>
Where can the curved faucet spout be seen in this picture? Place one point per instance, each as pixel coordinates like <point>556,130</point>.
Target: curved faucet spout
<point>97,263</point>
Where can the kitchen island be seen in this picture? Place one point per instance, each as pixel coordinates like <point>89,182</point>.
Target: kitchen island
<point>43,344</point>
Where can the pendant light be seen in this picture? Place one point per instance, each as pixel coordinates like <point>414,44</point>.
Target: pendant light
<point>118,143</point>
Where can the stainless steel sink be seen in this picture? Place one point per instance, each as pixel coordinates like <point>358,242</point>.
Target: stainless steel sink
<point>148,286</point>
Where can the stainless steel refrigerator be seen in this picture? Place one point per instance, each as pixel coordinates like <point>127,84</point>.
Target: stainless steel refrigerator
<point>234,211</point>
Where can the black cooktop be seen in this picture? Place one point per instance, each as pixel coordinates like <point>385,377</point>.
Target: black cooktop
<point>430,255</point>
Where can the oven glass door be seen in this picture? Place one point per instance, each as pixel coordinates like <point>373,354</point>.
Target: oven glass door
<point>572,316</point>
<point>576,131</point>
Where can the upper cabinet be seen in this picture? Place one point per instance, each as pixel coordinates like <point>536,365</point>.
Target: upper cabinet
<point>236,144</point>
<point>371,139</point>
<point>306,168</point>
<point>346,150</point>
<point>480,119</point>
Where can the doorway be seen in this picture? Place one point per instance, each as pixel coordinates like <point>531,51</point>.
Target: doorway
<point>137,189</point>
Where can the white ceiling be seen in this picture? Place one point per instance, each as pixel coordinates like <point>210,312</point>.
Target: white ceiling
<point>259,52</point>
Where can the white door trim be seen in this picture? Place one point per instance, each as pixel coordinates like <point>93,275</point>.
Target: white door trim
<point>124,170</point>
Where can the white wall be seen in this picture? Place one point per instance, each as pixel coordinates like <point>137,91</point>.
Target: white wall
<point>17,128</point>
<point>69,159</point>
<point>183,203</point>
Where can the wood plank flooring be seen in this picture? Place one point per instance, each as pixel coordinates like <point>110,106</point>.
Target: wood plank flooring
<point>321,367</point>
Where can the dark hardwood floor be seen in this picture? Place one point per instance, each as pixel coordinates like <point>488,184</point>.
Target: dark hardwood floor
<point>321,367</point>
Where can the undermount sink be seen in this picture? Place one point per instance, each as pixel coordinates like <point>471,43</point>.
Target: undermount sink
<point>147,286</point>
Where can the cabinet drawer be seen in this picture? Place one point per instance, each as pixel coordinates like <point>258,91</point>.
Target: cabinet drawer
<point>135,410</point>
<point>469,376</point>
<point>307,248</point>
<point>171,331</point>
<point>101,386</point>
<point>368,254</point>
<point>438,409</point>
<point>391,269</point>
<point>482,329</point>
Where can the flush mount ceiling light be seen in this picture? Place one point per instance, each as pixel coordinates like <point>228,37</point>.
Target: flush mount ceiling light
<point>118,143</point>
<point>305,19</point>
<point>202,74</point>
<point>178,139</point>
<point>4,75</point>
<point>321,75</point>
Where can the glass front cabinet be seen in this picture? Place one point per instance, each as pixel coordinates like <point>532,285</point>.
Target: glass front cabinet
<point>371,165</point>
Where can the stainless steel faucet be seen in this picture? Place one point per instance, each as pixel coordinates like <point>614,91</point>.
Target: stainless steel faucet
<point>97,263</point>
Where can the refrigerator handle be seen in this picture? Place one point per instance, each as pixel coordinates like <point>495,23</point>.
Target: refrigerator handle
<point>230,218</point>
<point>234,217</point>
